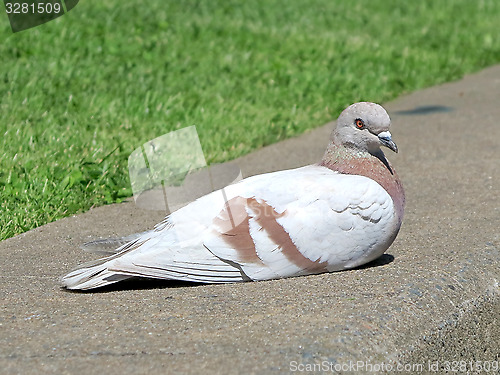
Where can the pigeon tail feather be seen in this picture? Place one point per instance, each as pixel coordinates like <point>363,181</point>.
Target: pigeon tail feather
<point>110,246</point>
<point>92,275</point>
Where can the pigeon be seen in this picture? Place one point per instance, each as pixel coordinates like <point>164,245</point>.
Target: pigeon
<point>338,214</point>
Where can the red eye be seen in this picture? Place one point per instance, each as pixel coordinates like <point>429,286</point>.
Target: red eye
<point>359,123</point>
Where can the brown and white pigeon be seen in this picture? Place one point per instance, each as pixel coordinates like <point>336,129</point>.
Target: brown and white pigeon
<point>335,215</point>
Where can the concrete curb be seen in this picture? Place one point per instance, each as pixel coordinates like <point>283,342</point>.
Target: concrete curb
<point>433,297</point>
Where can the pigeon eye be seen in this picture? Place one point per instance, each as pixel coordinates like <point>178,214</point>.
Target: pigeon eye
<point>359,123</point>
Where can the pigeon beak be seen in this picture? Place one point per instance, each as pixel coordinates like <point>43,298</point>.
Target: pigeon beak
<point>386,140</point>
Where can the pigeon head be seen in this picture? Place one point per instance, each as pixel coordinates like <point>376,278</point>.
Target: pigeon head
<point>364,126</point>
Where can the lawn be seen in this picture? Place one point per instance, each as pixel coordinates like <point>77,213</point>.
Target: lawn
<point>79,94</point>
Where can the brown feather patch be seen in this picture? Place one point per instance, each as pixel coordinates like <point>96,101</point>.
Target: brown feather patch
<point>266,216</point>
<point>234,228</point>
<point>233,225</point>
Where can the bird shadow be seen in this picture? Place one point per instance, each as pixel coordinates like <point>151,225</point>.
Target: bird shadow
<point>382,260</point>
<point>138,283</point>
<point>142,283</point>
<point>425,110</point>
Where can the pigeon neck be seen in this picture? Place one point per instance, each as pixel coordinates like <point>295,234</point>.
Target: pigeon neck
<point>348,160</point>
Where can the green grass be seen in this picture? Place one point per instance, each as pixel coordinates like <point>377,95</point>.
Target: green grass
<point>79,94</point>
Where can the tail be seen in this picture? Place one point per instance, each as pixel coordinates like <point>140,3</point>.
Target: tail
<point>92,275</point>
<point>110,246</point>
<point>99,272</point>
